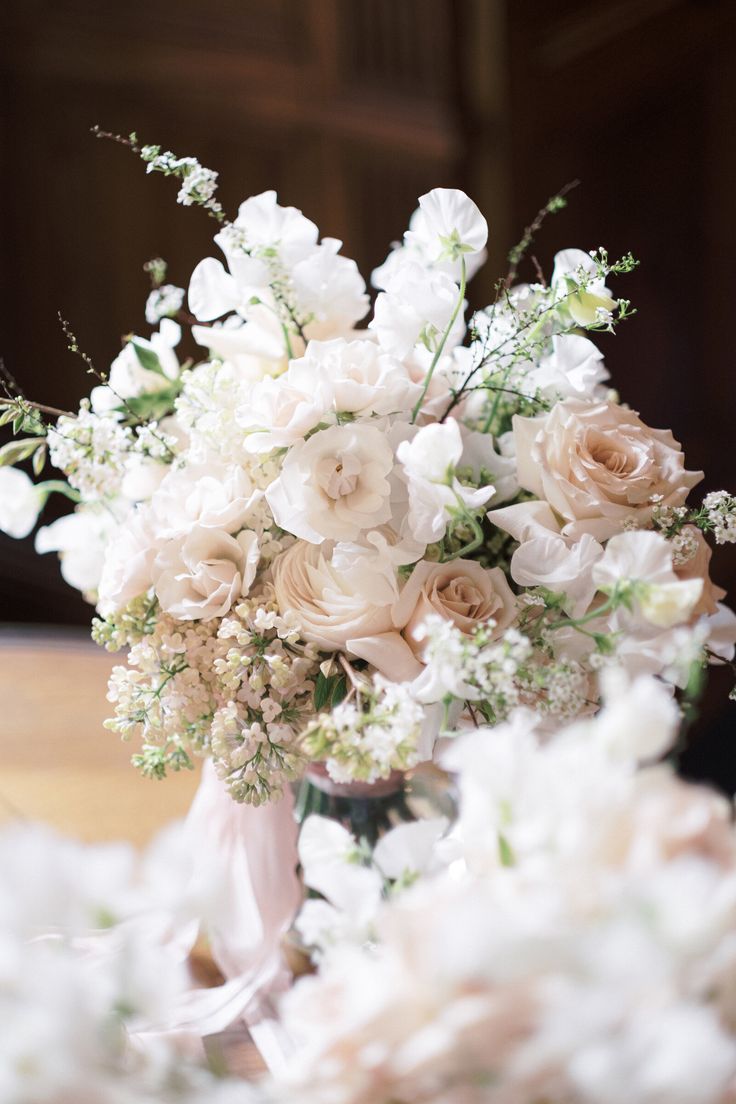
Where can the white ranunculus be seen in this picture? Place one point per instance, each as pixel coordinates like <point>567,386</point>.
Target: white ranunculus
<point>334,593</point>
<point>209,495</point>
<point>357,376</point>
<point>20,503</point>
<point>429,461</point>
<point>335,485</point>
<point>448,222</point>
<point>81,539</point>
<point>201,576</point>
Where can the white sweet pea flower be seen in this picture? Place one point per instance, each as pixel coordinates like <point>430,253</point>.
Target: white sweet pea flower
<point>335,485</point>
<point>128,377</point>
<point>448,225</point>
<point>416,305</point>
<point>640,718</point>
<point>644,559</point>
<point>410,849</point>
<point>20,503</point>
<point>545,558</point>
<point>429,461</point>
<point>81,539</point>
<point>574,369</point>
<point>267,244</point>
<point>201,576</point>
<point>330,291</point>
<point>588,305</point>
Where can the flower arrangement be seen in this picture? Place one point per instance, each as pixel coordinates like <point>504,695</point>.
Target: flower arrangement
<point>339,550</point>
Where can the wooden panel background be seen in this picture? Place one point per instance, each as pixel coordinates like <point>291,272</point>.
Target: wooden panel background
<point>351,108</point>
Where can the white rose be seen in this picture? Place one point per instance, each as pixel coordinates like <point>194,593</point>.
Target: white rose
<point>358,377</point>
<point>429,461</point>
<point>129,556</point>
<point>335,595</point>
<point>282,411</point>
<point>209,495</point>
<point>202,576</point>
<point>460,591</point>
<point>334,485</point>
<point>20,503</point>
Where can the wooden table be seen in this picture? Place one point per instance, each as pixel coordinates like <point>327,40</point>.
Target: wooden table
<point>57,763</point>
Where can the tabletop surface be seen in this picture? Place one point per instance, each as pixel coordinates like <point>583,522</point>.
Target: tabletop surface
<point>57,762</point>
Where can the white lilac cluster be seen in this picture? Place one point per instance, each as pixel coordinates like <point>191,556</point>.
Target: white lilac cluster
<point>310,496</point>
<point>87,975</point>
<point>572,938</point>
<point>375,731</point>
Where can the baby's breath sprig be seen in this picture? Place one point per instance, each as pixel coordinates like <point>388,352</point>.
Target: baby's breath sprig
<point>198,184</point>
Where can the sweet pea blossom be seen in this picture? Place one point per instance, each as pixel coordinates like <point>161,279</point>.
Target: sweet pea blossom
<point>429,461</point>
<point>82,540</point>
<point>587,305</point>
<point>448,224</point>
<point>645,560</point>
<point>20,503</point>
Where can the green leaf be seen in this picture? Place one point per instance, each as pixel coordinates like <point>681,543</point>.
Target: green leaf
<point>147,358</point>
<point>39,459</point>
<point>15,451</point>
<point>321,692</point>
<point>329,691</point>
<point>152,407</point>
<point>504,850</point>
<point>340,690</point>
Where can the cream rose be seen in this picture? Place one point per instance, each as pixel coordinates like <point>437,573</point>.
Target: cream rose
<point>200,577</point>
<point>698,567</point>
<point>598,464</point>
<point>333,605</point>
<point>461,591</point>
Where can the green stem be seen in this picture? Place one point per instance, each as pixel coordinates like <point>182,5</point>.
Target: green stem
<point>50,485</point>
<point>443,342</point>
<point>471,546</point>
<point>574,623</point>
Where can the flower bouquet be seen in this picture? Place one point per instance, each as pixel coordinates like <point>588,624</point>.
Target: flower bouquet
<point>333,553</point>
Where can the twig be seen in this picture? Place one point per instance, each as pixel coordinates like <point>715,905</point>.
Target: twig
<point>553,204</point>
